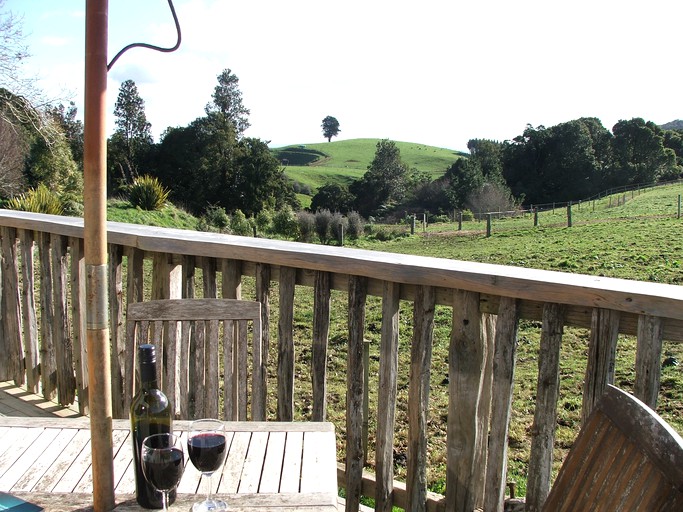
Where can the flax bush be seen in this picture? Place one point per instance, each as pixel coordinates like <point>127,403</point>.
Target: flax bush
<point>147,193</point>
<point>37,200</point>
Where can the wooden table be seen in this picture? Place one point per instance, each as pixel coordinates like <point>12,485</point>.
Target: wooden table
<point>270,466</point>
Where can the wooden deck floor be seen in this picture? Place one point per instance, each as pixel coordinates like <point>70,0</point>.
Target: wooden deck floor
<point>17,401</point>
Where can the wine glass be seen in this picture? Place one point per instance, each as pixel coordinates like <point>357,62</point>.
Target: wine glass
<point>207,447</point>
<point>163,463</point>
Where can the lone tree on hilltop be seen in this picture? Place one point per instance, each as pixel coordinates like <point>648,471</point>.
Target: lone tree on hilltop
<point>330,127</point>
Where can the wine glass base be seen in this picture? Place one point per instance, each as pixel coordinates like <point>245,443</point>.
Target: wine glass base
<point>210,506</point>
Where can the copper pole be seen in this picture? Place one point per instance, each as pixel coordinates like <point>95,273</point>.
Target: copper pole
<point>95,235</point>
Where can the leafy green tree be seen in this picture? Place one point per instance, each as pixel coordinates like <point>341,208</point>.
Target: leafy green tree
<point>330,127</point>
<point>13,150</point>
<point>565,162</point>
<point>65,117</point>
<point>132,141</point>
<point>258,181</point>
<point>227,102</point>
<point>333,197</point>
<point>639,152</point>
<point>464,178</point>
<point>384,184</point>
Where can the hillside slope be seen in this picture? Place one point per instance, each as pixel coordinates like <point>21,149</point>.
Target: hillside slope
<point>343,161</point>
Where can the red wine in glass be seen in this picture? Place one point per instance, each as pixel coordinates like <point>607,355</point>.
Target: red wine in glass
<point>163,463</point>
<point>207,448</point>
<point>207,451</point>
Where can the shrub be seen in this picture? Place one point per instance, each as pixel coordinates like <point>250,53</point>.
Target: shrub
<point>356,225</point>
<point>147,193</point>
<point>284,223</point>
<point>323,219</point>
<point>216,217</point>
<point>339,226</point>
<point>306,221</point>
<point>263,221</point>
<point>240,225</point>
<point>38,200</point>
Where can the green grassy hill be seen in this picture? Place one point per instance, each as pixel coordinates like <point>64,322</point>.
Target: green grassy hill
<point>344,161</point>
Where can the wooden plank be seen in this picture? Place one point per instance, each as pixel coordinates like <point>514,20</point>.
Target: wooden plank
<point>418,397</point>
<point>78,445</point>
<point>285,359</point>
<point>11,309</point>
<point>27,459</point>
<point>648,359</point>
<point>134,294</point>
<point>272,463</point>
<point>388,375</point>
<point>39,467</point>
<point>237,503</point>
<point>253,463</point>
<point>61,327</point>
<point>123,460</point>
<point>318,472</point>
<point>653,299</point>
<point>602,349</point>
<point>85,484</point>
<point>15,443</point>
<point>48,362</point>
<point>291,464</point>
<point>545,415</point>
<point>28,311</point>
<point>354,393</point>
<point>78,322</point>
<point>321,332</point>
<point>232,470</point>
<point>116,330</point>
<point>466,359</point>
<point>260,351</point>
<point>484,407</point>
<point>78,469</point>
<point>505,348</point>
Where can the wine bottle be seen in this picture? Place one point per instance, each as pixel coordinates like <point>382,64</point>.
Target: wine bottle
<point>150,413</point>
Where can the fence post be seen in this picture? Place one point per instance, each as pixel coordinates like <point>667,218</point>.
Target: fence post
<point>488,225</point>
<point>535,217</point>
<point>569,214</point>
<point>679,206</point>
<point>412,225</point>
<point>460,221</point>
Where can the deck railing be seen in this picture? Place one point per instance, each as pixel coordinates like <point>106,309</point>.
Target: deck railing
<point>43,326</point>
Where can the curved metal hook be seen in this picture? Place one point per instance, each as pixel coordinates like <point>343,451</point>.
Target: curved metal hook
<point>151,46</point>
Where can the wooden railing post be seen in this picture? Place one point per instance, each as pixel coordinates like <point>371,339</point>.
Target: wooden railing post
<point>116,331</point>
<point>505,349</point>
<point>28,311</point>
<point>321,330</point>
<point>260,385</point>
<point>358,287</point>
<point>466,358</point>
<point>545,415</point>
<point>601,355</point>
<point>648,359</point>
<point>388,370</point>
<point>418,396</point>
<point>285,343</point>
<point>11,313</point>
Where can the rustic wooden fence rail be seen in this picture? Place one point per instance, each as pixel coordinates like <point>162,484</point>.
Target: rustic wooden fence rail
<point>43,327</point>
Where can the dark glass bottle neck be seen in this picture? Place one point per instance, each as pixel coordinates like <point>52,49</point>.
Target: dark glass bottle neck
<point>148,376</point>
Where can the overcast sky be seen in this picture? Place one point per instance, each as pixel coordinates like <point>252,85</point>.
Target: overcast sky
<point>427,71</point>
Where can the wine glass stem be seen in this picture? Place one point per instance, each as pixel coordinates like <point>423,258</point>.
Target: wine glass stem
<point>208,487</point>
<point>164,500</point>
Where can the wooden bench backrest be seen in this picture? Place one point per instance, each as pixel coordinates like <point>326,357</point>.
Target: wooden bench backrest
<point>197,340</point>
<point>626,458</point>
